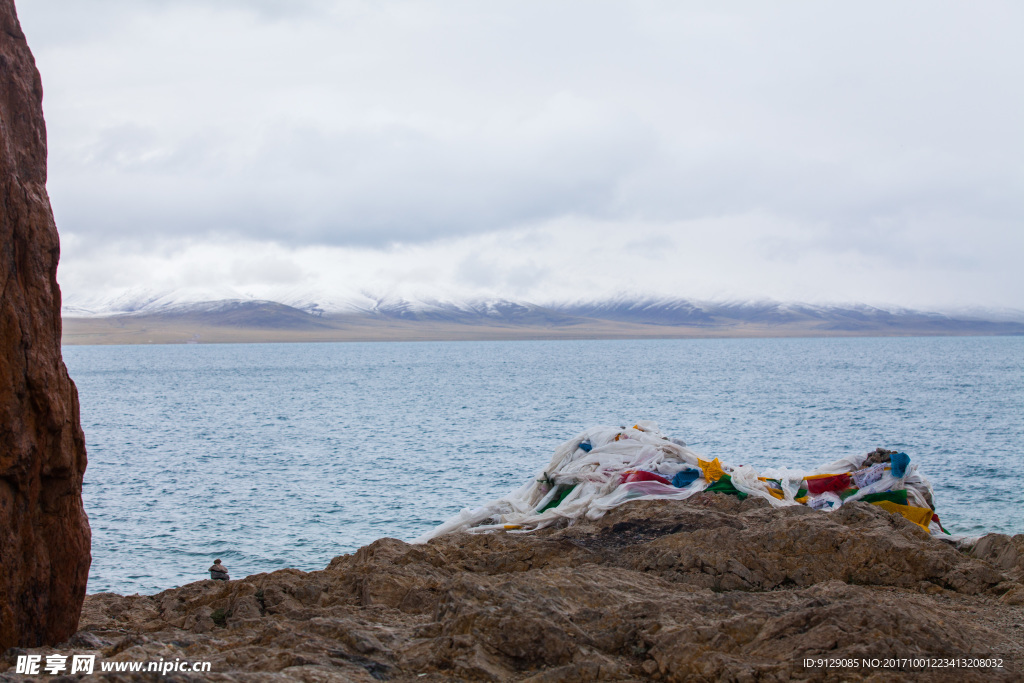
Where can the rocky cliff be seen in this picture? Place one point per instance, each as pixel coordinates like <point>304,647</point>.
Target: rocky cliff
<point>705,589</point>
<point>44,533</point>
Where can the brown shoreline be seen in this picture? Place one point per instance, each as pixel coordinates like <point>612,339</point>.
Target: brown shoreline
<point>181,330</point>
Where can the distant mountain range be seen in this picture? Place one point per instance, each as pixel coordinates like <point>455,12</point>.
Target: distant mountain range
<point>184,317</point>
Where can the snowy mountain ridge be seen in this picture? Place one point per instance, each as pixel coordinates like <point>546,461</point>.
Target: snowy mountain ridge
<point>628,309</point>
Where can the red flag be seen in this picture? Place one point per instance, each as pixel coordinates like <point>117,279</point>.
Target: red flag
<point>641,475</point>
<point>820,483</point>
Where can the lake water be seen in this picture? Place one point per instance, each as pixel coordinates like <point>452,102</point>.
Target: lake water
<point>286,455</point>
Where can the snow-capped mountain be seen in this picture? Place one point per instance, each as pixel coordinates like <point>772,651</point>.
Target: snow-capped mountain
<point>710,313</point>
<point>293,306</point>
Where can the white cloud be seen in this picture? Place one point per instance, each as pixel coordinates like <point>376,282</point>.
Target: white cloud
<point>743,256</point>
<point>861,144</point>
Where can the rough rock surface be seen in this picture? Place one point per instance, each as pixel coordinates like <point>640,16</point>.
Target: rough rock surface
<point>44,533</point>
<point>705,589</point>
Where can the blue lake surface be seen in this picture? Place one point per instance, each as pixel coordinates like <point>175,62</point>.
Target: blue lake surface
<point>286,455</point>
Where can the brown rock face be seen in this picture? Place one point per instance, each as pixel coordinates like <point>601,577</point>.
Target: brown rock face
<point>707,589</point>
<point>44,533</point>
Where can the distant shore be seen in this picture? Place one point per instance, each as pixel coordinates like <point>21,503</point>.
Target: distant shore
<point>185,330</point>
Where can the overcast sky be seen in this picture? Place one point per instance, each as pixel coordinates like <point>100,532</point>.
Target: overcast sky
<point>850,152</point>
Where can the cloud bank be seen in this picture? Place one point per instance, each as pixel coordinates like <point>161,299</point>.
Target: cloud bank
<point>867,152</point>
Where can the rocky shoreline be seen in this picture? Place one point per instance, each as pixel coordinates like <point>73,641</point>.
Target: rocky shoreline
<point>711,588</point>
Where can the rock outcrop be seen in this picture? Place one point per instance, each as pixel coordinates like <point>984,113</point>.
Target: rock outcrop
<point>705,589</point>
<point>44,532</point>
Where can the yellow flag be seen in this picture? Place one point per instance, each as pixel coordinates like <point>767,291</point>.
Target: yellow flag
<point>919,516</point>
<point>712,470</point>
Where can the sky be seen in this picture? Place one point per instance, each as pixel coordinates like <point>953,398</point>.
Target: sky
<point>867,152</point>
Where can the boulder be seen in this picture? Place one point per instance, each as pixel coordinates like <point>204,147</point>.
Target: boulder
<point>44,532</point>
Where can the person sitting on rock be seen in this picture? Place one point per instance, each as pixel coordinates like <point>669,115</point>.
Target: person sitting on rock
<point>219,571</point>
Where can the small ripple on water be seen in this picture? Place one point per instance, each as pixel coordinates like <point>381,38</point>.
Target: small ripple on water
<point>286,455</point>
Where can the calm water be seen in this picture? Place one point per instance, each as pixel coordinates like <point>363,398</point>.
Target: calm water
<point>272,456</point>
